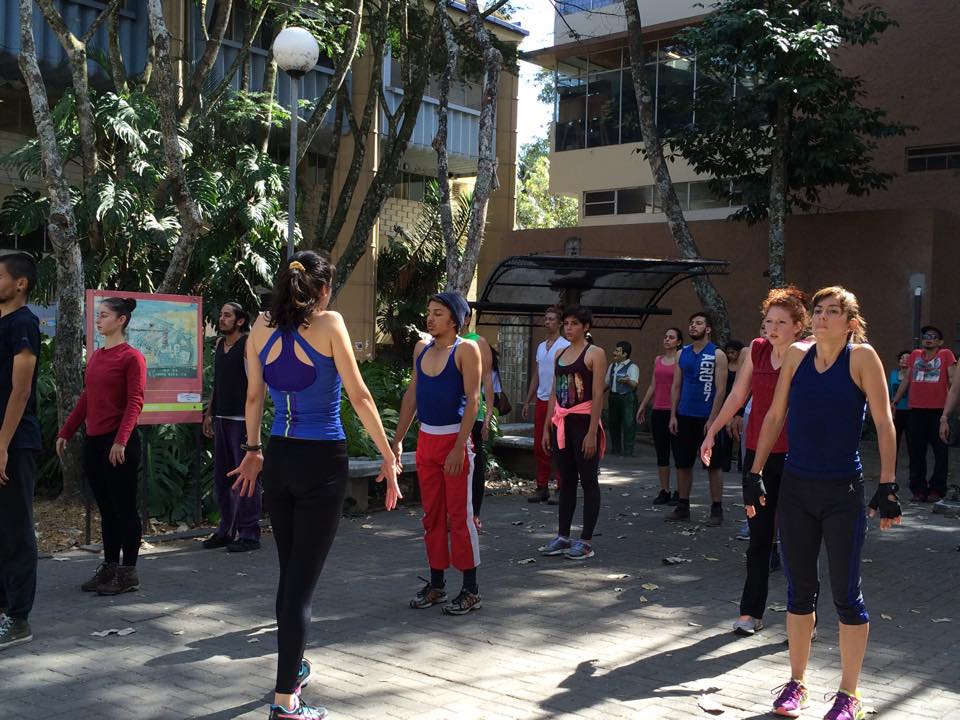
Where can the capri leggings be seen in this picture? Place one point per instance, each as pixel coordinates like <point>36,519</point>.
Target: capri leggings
<point>832,512</point>
<point>574,469</point>
<point>664,441</point>
<point>304,482</point>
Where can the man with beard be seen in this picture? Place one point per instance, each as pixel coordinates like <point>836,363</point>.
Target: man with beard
<point>239,529</point>
<point>699,386</point>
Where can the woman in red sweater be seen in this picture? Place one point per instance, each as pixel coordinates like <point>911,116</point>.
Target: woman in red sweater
<point>110,405</point>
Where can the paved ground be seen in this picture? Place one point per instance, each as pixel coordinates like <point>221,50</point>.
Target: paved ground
<point>621,636</point>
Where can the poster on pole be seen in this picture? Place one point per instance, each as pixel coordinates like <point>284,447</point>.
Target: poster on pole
<point>168,330</point>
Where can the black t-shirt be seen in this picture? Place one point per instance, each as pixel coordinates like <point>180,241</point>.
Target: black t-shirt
<point>20,330</point>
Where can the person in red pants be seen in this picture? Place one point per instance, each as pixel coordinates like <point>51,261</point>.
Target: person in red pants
<point>541,386</point>
<point>444,392</point>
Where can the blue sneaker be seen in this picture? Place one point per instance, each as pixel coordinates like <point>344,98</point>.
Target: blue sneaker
<point>299,712</point>
<point>303,675</point>
<point>581,550</point>
<point>744,532</point>
<point>557,546</point>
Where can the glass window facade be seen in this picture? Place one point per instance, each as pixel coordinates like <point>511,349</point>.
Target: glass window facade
<point>596,104</point>
<point>576,6</point>
<point>411,186</point>
<point>943,157</point>
<point>646,200</point>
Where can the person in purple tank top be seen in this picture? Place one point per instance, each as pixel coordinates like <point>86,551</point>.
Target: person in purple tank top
<point>826,387</point>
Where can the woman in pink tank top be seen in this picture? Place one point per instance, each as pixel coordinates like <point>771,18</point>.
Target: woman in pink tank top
<point>659,391</point>
<point>785,319</point>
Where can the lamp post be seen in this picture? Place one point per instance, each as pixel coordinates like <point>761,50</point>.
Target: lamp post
<point>296,52</point>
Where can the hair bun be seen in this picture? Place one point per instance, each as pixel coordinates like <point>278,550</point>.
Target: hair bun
<point>131,303</point>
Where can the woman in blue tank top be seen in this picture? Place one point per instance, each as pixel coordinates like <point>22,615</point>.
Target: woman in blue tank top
<point>302,353</point>
<point>824,389</point>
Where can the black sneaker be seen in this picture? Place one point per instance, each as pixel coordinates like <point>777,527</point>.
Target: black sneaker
<point>663,498</point>
<point>238,546</point>
<point>681,513</point>
<point>215,541</point>
<point>463,603</point>
<point>716,517</point>
<point>125,580</point>
<point>103,575</point>
<point>14,631</point>
<point>303,675</point>
<point>674,499</point>
<point>541,494</point>
<point>300,712</point>
<point>428,596</point>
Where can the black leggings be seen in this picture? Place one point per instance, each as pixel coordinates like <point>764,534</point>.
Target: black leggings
<point>831,512</point>
<point>664,441</point>
<point>574,469</point>
<point>753,601</point>
<point>304,482</point>
<point>479,466</point>
<point>901,420</point>
<point>115,490</point>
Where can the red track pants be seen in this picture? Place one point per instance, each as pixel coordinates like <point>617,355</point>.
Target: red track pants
<point>449,532</point>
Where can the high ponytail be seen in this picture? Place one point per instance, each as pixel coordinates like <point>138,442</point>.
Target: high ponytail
<point>301,287</point>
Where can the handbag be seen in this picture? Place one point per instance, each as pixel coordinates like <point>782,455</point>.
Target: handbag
<point>502,403</point>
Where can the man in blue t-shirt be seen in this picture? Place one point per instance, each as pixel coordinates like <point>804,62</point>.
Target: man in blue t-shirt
<point>699,386</point>
<point>19,442</point>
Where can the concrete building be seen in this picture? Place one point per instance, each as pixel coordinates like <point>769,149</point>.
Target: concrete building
<point>886,247</point>
<point>357,300</point>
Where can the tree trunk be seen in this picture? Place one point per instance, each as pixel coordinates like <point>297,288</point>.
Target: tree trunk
<point>76,50</point>
<point>487,163</point>
<point>679,230</point>
<point>336,82</point>
<point>776,250</point>
<point>251,28</point>
<point>191,225</point>
<point>206,62</point>
<point>117,68</point>
<point>450,241</point>
<point>395,145</point>
<point>269,88</point>
<point>62,226</point>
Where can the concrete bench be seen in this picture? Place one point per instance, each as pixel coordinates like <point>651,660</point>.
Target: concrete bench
<point>520,428</point>
<point>515,453</point>
<point>361,471</point>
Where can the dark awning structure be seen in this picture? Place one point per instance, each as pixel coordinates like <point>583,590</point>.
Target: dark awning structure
<point>621,292</point>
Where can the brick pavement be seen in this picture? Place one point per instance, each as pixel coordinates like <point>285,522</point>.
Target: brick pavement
<point>554,639</point>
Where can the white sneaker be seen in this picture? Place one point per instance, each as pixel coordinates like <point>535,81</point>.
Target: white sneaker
<point>747,627</point>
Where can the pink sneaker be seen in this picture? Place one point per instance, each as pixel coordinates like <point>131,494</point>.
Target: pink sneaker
<point>845,707</point>
<point>791,700</point>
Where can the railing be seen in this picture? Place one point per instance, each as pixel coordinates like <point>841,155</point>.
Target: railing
<point>463,124</point>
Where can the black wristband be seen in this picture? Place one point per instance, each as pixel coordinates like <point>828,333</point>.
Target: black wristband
<point>250,448</point>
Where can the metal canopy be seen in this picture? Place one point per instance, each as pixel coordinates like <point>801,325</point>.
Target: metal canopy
<point>621,292</point>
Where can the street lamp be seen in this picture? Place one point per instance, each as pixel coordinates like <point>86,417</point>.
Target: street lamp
<point>296,52</point>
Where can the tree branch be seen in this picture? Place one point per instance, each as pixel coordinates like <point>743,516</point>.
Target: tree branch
<point>117,69</point>
<point>339,75</point>
<point>112,7</point>
<point>252,29</point>
<point>205,65</point>
<point>440,146</point>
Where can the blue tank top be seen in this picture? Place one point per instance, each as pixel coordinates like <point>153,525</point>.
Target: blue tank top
<point>699,381</point>
<point>825,419</point>
<point>306,398</point>
<point>441,398</point>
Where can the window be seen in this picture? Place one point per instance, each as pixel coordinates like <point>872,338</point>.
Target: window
<point>600,203</point>
<point>942,157</point>
<point>411,187</point>
<point>570,7</point>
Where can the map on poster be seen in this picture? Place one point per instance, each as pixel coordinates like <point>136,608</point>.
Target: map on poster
<point>167,334</point>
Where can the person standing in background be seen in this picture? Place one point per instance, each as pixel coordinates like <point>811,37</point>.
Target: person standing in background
<point>239,529</point>
<point>901,412</point>
<point>622,379</point>
<point>664,442</point>
<point>20,441</point>
<point>110,405</point>
<point>541,387</point>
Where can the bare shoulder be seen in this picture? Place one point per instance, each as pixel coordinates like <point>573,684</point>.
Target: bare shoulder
<point>595,353</point>
<point>468,346</point>
<point>862,353</point>
<point>796,353</point>
<point>419,348</point>
<point>329,319</point>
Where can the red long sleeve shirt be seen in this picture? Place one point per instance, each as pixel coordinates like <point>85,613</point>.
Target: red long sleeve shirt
<point>112,397</point>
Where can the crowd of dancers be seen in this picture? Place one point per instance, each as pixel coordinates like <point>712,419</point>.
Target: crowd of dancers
<point>802,480</point>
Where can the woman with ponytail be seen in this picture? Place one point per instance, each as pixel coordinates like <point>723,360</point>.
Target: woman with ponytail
<point>826,386</point>
<point>109,406</point>
<point>302,353</point>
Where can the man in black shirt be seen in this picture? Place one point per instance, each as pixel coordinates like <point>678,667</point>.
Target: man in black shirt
<point>239,529</point>
<point>19,442</point>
